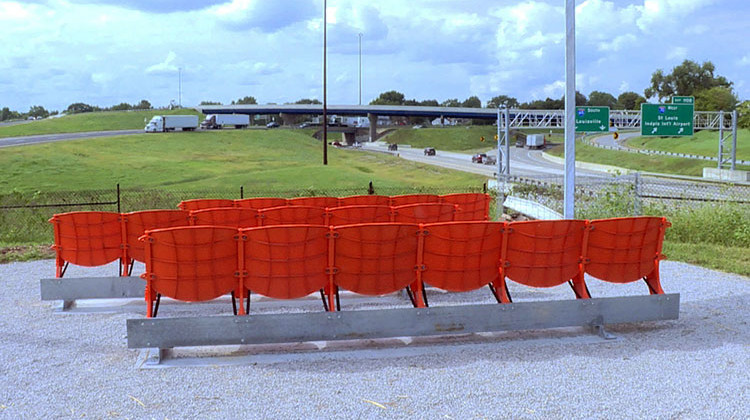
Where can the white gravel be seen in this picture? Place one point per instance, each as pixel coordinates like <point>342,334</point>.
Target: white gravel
<point>77,365</point>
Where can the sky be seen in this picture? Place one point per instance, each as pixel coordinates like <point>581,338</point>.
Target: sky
<point>57,52</point>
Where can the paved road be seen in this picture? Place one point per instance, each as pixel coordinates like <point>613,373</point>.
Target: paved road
<point>48,138</point>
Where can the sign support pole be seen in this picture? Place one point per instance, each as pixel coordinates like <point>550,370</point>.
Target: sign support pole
<point>570,110</point>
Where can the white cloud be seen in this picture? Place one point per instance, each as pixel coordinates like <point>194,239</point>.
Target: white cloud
<point>624,86</point>
<point>677,53</point>
<point>744,61</point>
<point>657,14</point>
<point>165,67</point>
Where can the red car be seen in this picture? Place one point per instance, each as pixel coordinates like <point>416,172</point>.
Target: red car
<point>478,158</point>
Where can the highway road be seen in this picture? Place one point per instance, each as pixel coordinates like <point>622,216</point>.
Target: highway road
<point>48,138</point>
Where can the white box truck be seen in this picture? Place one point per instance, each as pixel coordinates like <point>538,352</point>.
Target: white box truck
<point>217,121</point>
<point>162,123</point>
<point>535,141</point>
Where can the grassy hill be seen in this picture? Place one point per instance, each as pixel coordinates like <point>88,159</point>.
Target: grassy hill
<point>89,121</point>
<point>703,143</point>
<point>262,159</point>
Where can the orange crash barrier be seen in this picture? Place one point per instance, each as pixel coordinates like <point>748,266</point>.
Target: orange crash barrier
<point>349,215</point>
<point>292,215</point>
<point>365,200</point>
<point>134,224</point>
<point>471,206</point>
<point>204,203</point>
<point>424,213</point>
<point>87,238</point>
<point>260,202</point>
<point>237,217</point>
<point>291,261</point>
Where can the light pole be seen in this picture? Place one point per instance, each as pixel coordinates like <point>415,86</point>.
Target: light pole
<point>179,86</point>
<point>325,102</point>
<point>360,68</point>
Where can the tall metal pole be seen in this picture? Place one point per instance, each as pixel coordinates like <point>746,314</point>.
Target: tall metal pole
<point>179,86</point>
<point>721,140</point>
<point>360,68</point>
<point>570,109</point>
<point>325,99</point>
<point>506,134</point>
<point>734,140</point>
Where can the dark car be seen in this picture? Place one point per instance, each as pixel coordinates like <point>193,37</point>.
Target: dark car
<point>478,158</point>
<point>429,151</point>
<point>272,124</point>
<point>393,146</point>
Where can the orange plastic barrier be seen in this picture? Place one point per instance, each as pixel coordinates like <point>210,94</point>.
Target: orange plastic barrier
<point>375,259</point>
<point>348,215</point>
<point>134,224</point>
<point>462,256</point>
<point>471,206</point>
<point>284,262</point>
<point>193,263</point>
<point>624,250</point>
<point>237,217</point>
<point>322,202</point>
<point>365,200</point>
<point>292,215</point>
<point>402,200</point>
<point>204,203</point>
<point>424,213</point>
<point>543,253</point>
<point>260,202</point>
<point>86,238</point>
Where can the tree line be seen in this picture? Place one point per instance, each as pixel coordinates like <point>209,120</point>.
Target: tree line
<point>38,111</point>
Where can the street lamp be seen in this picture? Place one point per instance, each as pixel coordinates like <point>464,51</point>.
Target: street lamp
<point>325,102</point>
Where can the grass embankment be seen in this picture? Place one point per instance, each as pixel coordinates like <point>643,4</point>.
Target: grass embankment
<point>466,139</point>
<point>271,159</point>
<point>90,121</point>
<point>637,161</point>
<point>703,143</point>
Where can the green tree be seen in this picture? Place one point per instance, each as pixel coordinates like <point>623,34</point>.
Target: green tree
<point>308,102</point>
<point>79,107</point>
<point>472,102</point>
<point>548,103</point>
<point>580,99</point>
<point>391,97</point>
<point>38,111</point>
<point>451,103</point>
<point>503,101</point>
<point>143,104</point>
<point>5,114</point>
<point>247,100</point>
<point>744,118</point>
<point>597,98</point>
<point>122,107</point>
<point>429,102</point>
<point>718,98</point>
<point>687,79</point>
<point>630,100</point>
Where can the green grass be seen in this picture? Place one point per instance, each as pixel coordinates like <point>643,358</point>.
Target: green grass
<point>267,159</point>
<point>730,259</point>
<point>89,121</point>
<point>638,162</point>
<point>703,143</point>
<point>465,139</point>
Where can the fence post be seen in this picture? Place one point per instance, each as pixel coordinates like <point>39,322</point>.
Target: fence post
<point>637,195</point>
<point>242,192</point>
<point>118,198</point>
<point>371,189</point>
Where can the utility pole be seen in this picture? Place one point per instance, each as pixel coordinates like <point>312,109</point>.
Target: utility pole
<point>325,101</point>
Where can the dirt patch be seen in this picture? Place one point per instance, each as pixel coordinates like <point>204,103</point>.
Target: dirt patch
<point>25,253</point>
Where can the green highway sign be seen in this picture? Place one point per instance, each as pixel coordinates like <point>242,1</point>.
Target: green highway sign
<point>666,119</point>
<point>592,119</point>
<point>683,100</point>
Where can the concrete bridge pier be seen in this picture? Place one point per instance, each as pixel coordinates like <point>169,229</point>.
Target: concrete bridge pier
<point>373,126</point>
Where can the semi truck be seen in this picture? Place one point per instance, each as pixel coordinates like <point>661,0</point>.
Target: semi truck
<point>163,123</point>
<point>535,141</point>
<point>217,121</point>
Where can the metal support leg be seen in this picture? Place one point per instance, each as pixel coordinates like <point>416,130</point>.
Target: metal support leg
<point>597,328</point>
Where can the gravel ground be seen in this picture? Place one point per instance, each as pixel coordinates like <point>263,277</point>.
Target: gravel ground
<point>77,365</point>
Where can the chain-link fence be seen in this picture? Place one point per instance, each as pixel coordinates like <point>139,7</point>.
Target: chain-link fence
<point>24,216</point>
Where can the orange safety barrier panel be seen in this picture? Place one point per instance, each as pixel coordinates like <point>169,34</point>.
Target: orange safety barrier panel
<point>134,224</point>
<point>260,202</point>
<point>237,217</point>
<point>292,215</point>
<point>284,262</point>
<point>349,215</point>
<point>544,253</point>
<point>314,201</point>
<point>86,238</point>
<point>402,200</point>
<point>193,263</point>
<point>471,206</point>
<point>462,256</point>
<point>424,213</point>
<point>204,203</point>
<point>624,250</point>
<point>365,200</point>
<point>375,259</point>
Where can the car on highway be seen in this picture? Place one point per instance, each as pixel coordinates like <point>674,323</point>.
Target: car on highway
<point>429,151</point>
<point>392,146</point>
<point>272,124</point>
<point>478,158</point>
